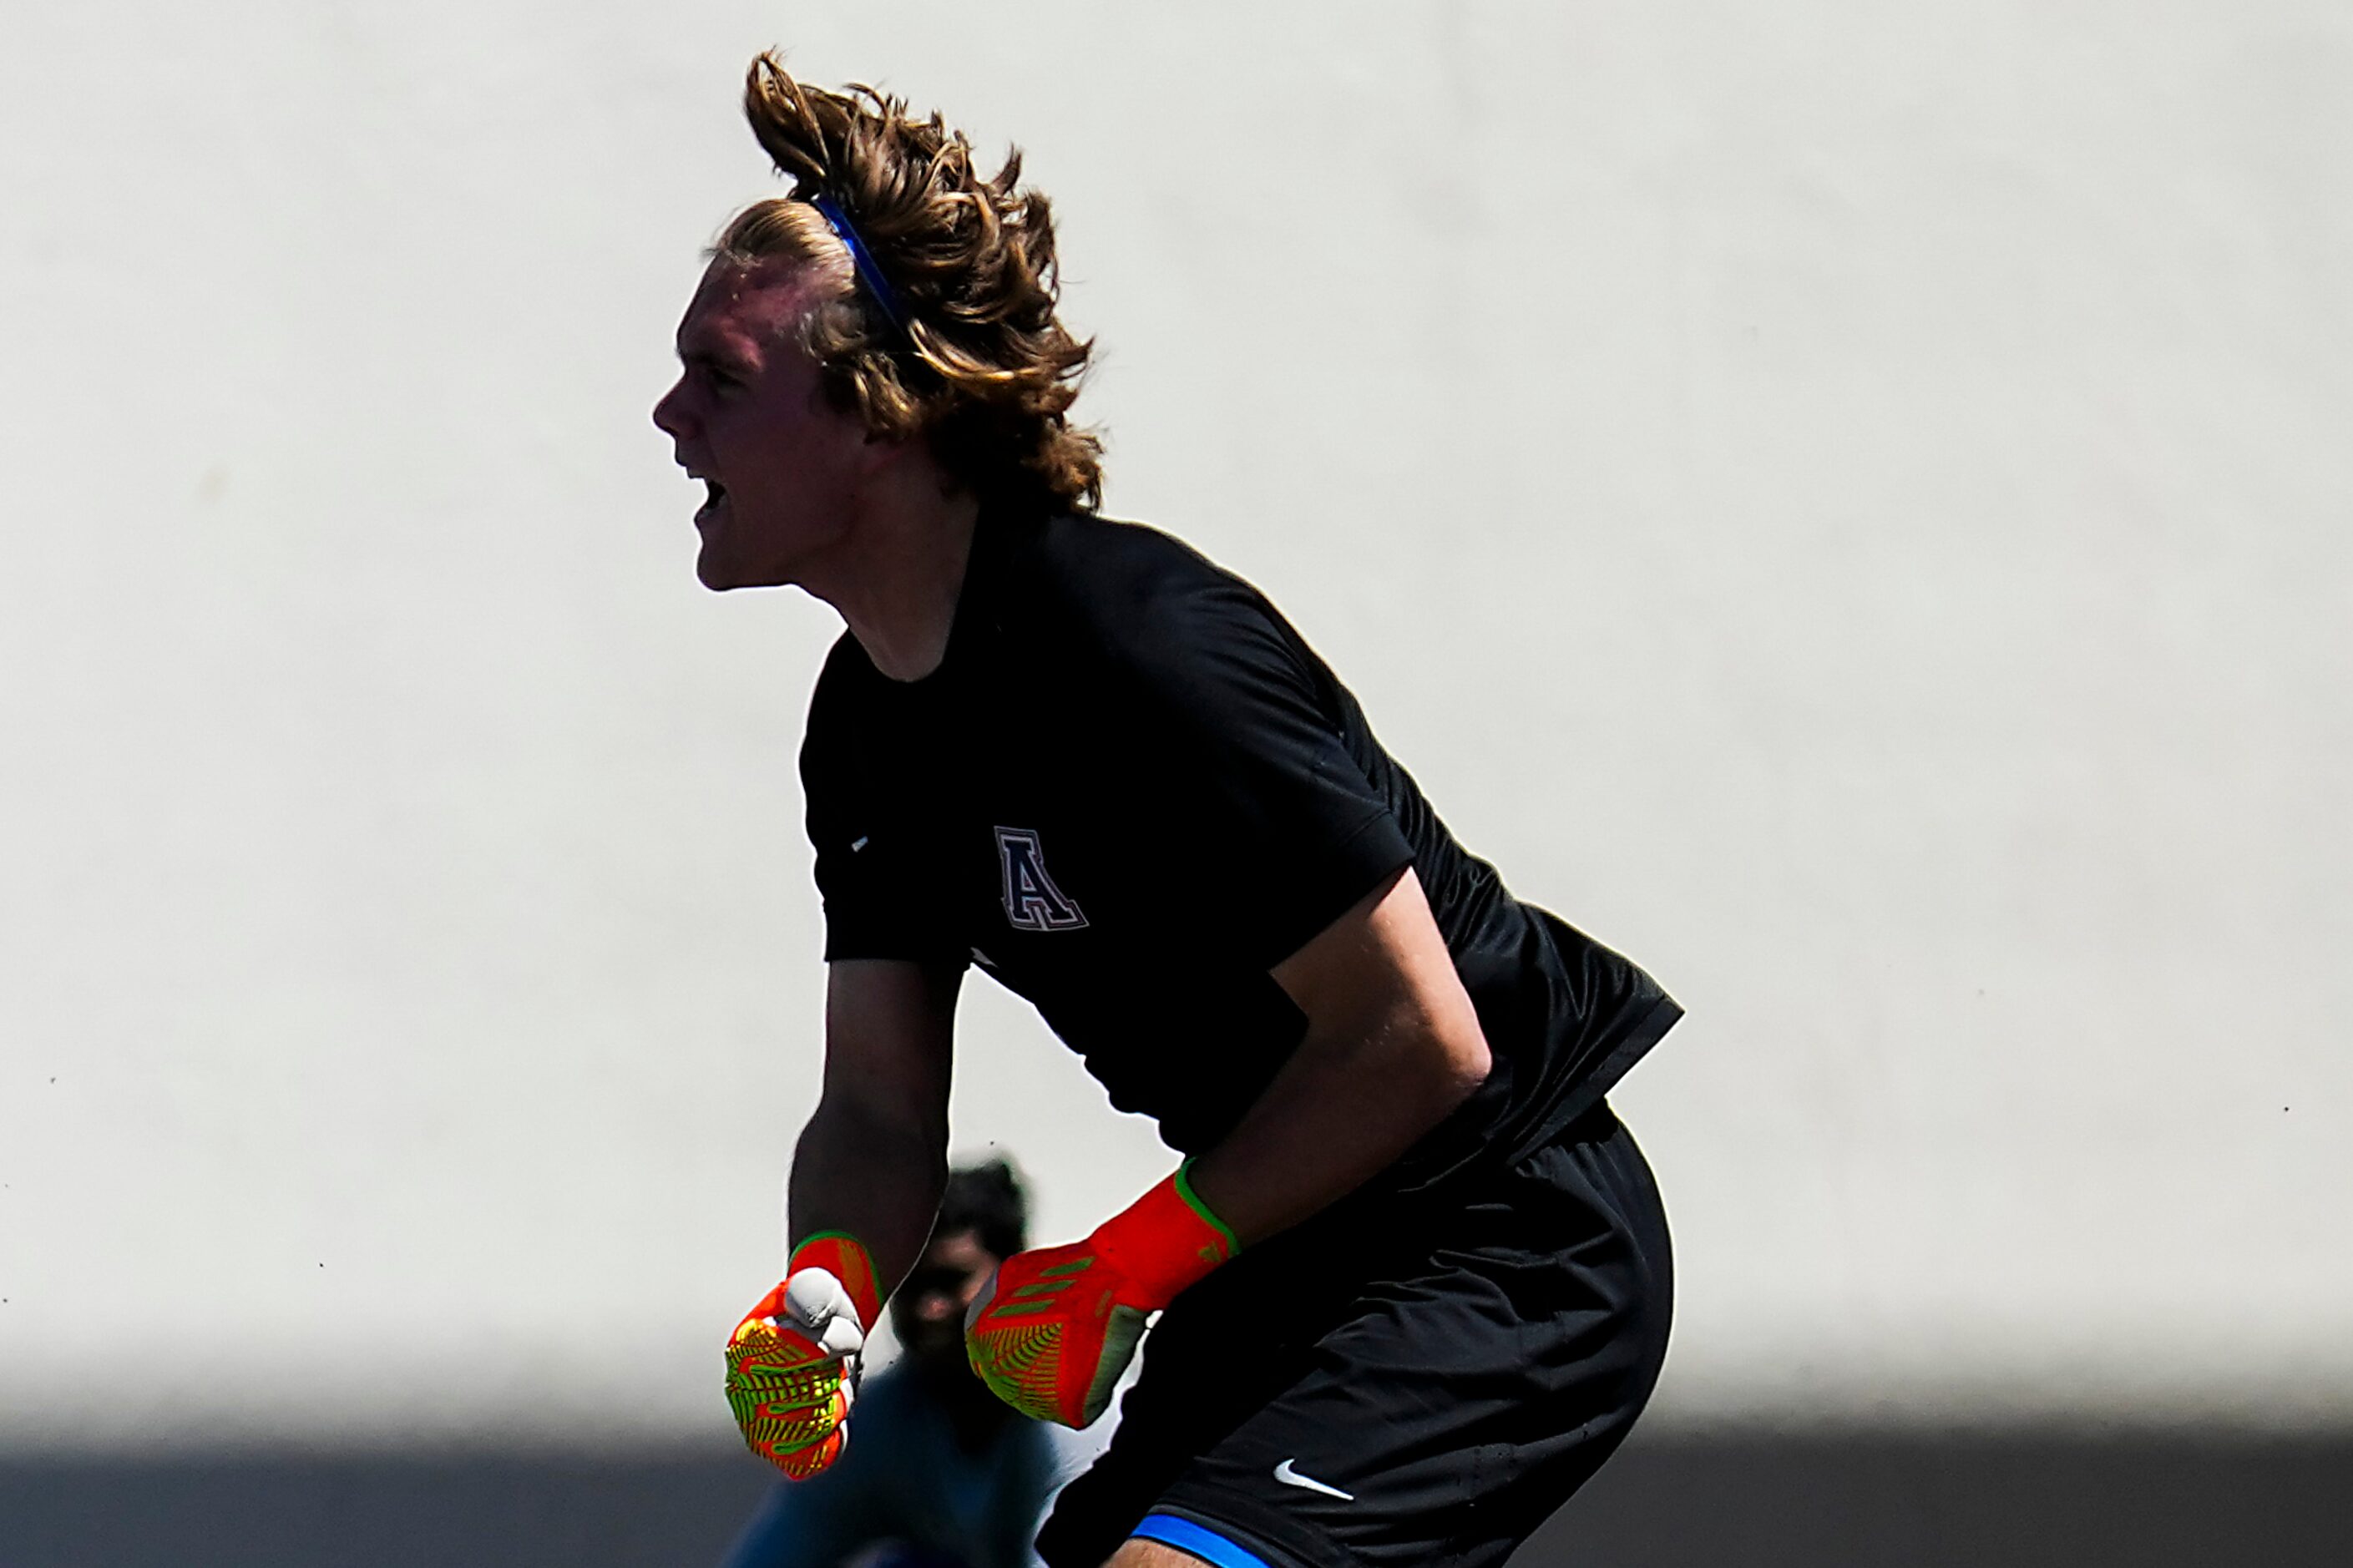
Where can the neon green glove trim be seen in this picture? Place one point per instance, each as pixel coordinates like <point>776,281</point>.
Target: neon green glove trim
<point>1193,1201</point>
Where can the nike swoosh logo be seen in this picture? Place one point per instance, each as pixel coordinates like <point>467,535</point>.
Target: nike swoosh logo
<point>1291,1478</point>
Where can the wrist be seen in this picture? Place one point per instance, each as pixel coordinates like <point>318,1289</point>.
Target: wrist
<point>845,1257</point>
<point>1165,1241</point>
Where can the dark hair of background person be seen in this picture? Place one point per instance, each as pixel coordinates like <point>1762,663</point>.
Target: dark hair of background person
<point>989,1201</point>
<point>982,371</point>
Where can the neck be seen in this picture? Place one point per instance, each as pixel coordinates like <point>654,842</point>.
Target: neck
<point>895,577</point>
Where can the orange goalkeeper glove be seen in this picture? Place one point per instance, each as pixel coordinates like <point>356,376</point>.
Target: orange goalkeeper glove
<point>1053,1328</point>
<point>792,1362</point>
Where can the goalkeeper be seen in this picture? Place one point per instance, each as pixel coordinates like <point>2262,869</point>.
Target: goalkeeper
<point>1414,1276</point>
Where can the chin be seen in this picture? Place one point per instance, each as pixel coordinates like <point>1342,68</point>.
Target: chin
<point>723,564</point>
<point>719,574</point>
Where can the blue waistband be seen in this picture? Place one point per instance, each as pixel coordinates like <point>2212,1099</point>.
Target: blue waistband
<point>1199,1540</point>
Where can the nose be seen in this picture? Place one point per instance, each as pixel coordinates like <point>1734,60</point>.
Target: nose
<point>670,413</point>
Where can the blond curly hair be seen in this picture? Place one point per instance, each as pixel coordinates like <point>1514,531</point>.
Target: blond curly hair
<point>978,364</point>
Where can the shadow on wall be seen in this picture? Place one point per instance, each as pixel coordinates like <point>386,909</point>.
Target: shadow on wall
<point>2025,1498</point>
<point>1825,1500</point>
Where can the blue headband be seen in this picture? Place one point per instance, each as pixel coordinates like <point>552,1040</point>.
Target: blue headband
<point>877,286</point>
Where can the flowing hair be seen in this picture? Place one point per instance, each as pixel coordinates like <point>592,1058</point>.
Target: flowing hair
<point>961,345</point>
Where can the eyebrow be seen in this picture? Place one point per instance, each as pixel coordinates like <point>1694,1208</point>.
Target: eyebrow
<point>704,352</point>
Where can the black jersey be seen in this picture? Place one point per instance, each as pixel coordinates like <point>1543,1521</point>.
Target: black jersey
<point>1129,790</point>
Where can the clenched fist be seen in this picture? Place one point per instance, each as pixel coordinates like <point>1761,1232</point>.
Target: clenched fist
<point>792,1361</point>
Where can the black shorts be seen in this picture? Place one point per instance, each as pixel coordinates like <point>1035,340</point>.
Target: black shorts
<point>1398,1382</point>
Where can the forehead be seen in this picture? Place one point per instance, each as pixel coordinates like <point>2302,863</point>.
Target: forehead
<point>957,1249</point>
<point>738,310</point>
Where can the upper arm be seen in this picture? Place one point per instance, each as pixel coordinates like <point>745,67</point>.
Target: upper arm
<point>890,1036</point>
<point>1383,969</point>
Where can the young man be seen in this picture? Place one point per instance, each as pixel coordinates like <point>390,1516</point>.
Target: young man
<point>1414,1276</point>
<point>945,1475</point>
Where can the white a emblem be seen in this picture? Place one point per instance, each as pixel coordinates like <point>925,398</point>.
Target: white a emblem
<point>1032,902</point>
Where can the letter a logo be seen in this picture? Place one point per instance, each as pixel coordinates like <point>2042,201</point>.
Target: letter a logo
<point>1032,902</point>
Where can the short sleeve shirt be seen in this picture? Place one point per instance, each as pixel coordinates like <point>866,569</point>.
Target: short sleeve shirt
<point>1128,792</point>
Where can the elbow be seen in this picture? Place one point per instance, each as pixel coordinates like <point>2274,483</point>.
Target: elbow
<point>1468,1064</point>
<point>1460,1061</point>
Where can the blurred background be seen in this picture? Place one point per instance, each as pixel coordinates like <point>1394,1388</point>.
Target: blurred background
<point>1846,501</point>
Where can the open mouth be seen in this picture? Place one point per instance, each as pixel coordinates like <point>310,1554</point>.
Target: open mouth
<point>717,492</point>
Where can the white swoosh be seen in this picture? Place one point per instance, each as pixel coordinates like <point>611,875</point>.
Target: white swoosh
<point>1291,1478</point>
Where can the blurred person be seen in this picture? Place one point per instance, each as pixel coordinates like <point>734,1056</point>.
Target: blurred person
<point>1412,1276</point>
<point>945,1474</point>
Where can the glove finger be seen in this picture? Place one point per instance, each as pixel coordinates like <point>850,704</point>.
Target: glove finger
<point>1054,1369</point>
<point>841,1337</point>
<point>771,1425</point>
<point>1023,1363</point>
<point>816,1299</point>
<point>780,1395</point>
<point>778,1335</point>
<point>784,1366</point>
<point>778,1355</point>
<point>800,1464</point>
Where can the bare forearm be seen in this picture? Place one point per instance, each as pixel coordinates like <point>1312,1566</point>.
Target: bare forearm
<point>875,1176</point>
<point>1338,1114</point>
<point>1393,1046</point>
<point>874,1160</point>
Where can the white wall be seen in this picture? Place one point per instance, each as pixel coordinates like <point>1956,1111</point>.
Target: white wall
<point>1849,503</point>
